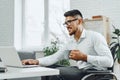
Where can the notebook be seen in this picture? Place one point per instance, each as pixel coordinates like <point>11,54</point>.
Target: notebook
<point>10,57</point>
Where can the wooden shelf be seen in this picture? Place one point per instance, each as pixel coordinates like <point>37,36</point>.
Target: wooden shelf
<point>99,24</point>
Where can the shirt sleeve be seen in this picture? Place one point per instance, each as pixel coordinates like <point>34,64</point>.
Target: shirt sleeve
<point>52,59</point>
<point>104,57</point>
<point>62,53</point>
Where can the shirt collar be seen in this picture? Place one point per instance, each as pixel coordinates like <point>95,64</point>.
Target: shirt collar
<point>83,35</point>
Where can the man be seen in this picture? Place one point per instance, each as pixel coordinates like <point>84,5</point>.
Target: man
<point>88,48</point>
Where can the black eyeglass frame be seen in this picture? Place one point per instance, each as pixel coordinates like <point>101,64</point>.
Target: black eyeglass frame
<point>69,22</point>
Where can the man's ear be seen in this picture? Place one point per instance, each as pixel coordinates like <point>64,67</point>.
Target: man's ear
<point>80,21</point>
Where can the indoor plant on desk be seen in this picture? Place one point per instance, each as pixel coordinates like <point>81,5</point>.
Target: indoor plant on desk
<point>49,50</point>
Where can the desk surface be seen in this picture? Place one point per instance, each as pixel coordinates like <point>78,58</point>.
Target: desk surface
<point>28,72</point>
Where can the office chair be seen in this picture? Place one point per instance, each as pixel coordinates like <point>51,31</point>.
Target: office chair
<point>100,74</point>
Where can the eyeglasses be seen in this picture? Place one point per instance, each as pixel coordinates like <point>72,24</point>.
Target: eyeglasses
<point>69,22</point>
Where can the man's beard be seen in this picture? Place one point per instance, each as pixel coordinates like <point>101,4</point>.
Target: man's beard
<point>72,33</point>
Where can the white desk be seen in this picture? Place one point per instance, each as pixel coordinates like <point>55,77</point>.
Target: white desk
<point>28,72</point>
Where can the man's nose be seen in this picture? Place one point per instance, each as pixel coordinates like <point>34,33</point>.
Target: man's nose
<point>68,23</point>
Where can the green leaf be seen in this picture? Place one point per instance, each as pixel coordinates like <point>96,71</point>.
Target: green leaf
<point>63,62</point>
<point>112,43</point>
<point>119,34</point>
<point>114,48</point>
<point>118,53</point>
<point>117,31</point>
<point>114,37</point>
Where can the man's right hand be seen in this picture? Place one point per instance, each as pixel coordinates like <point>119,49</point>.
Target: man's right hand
<point>30,62</point>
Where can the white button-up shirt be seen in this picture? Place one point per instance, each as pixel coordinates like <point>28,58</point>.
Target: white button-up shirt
<point>92,44</point>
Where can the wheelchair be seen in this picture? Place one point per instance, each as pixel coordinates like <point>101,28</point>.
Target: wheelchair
<point>101,75</point>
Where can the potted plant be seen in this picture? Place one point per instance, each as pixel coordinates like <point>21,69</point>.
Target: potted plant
<point>115,45</point>
<point>49,50</point>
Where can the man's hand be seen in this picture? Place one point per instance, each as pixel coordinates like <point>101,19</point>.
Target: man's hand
<point>77,55</point>
<point>30,62</point>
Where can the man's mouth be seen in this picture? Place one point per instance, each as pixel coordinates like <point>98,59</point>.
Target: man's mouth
<point>69,29</point>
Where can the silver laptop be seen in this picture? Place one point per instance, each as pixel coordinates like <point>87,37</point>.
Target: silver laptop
<point>10,57</point>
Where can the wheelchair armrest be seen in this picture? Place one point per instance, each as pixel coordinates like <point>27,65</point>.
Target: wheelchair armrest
<point>98,71</point>
<point>95,75</point>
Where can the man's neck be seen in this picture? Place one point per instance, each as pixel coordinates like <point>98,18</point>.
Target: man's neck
<point>78,33</point>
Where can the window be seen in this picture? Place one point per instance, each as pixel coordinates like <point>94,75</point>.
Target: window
<point>34,28</point>
<point>56,19</point>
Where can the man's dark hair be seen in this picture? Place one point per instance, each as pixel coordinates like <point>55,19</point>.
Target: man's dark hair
<point>73,13</point>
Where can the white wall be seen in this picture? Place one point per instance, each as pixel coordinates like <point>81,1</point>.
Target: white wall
<point>6,22</point>
<point>109,8</point>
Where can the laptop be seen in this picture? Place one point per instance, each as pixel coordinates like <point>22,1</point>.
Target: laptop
<point>10,57</point>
